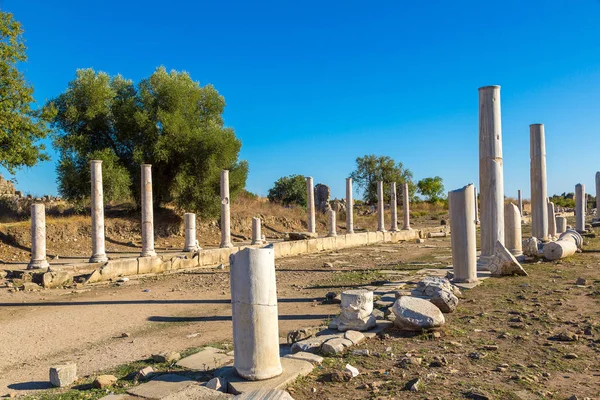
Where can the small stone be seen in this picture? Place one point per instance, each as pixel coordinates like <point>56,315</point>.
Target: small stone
<point>353,371</point>
<point>416,314</point>
<point>169,357</point>
<point>477,394</point>
<point>406,362</point>
<point>414,385</point>
<point>420,241</point>
<point>354,336</point>
<point>564,337</point>
<point>361,352</point>
<point>327,265</point>
<point>477,355</point>
<point>490,347</point>
<point>63,375</point>
<point>333,298</point>
<point>581,282</point>
<point>438,361</point>
<point>571,356</point>
<point>104,381</point>
<point>335,346</point>
<point>125,334</point>
<point>221,267</point>
<point>144,373</point>
<point>217,384</point>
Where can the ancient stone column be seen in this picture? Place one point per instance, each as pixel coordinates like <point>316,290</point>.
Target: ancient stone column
<point>256,231</point>
<point>380,208</point>
<point>98,249</point>
<point>38,237</point>
<point>463,239</point>
<point>520,202</point>
<point>551,219</point>
<point>310,204</point>
<point>254,314</point>
<point>476,205</point>
<point>539,195</point>
<point>332,222</point>
<point>512,230</point>
<point>394,208</point>
<point>406,207</point>
<point>566,245</point>
<point>349,207</point>
<point>225,210</point>
<point>191,244</point>
<point>561,225</point>
<point>147,213</point>
<point>580,208</point>
<point>598,195</point>
<point>491,173</point>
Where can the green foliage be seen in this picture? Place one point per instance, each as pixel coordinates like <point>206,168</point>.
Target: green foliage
<point>167,120</point>
<point>431,188</point>
<point>21,127</point>
<point>370,169</point>
<point>566,200</point>
<point>289,190</point>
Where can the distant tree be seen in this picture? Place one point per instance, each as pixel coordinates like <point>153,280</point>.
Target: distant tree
<point>370,169</point>
<point>21,127</point>
<point>289,190</point>
<point>167,120</point>
<point>431,188</point>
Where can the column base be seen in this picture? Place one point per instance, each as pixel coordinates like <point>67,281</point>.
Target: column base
<point>394,230</point>
<point>407,228</point>
<point>38,264</point>
<point>256,242</point>
<point>226,245</point>
<point>331,234</point>
<point>380,230</point>
<point>191,248</point>
<point>96,258</point>
<point>148,253</point>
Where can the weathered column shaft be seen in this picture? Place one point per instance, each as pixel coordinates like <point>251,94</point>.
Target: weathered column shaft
<point>551,219</point>
<point>38,237</point>
<point>512,229</point>
<point>380,208</point>
<point>254,314</point>
<point>98,240</point>
<point>561,225</point>
<point>256,231</point>
<point>349,207</point>
<point>310,204</point>
<point>332,223</point>
<point>406,207</point>
<point>225,210</point>
<point>394,208</point>
<point>476,205</point>
<point>191,244</point>
<point>580,207</point>
<point>491,173</point>
<point>520,202</point>
<point>463,239</point>
<point>598,194</point>
<point>539,191</point>
<point>147,213</point>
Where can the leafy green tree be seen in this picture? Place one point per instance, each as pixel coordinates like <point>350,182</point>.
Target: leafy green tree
<point>370,169</point>
<point>167,120</point>
<point>431,188</point>
<point>21,127</point>
<point>289,190</point>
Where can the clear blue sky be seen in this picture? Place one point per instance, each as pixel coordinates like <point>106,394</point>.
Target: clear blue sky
<point>311,85</point>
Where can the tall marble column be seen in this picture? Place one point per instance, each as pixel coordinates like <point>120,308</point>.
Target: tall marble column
<point>598,195</point>
<point>580,208</point>
<point>463,239</point>
<point>394,208</point>
<point>551,219</point>
<point>520,202</point>
<point>38,237</point>
<point>256,231</point>
<point>406,207</point>
<point>380,208</point>
<point>98,245</point>
<point>310,204</point>
<point>332,223</point>
<point>476,205</point>
<point>491,172</point>
<point>191,244</point>
<point>147,213</point>
<point>349,207</point>
<point>512,230</point>
<point>225,210</point>
<point>539,191</point>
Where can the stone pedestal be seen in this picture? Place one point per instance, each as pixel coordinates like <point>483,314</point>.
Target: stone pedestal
<point>332,223</point>
<point>394,208</point>
<point>256,231</point>
<point>512,230</point>
<point>561,225</point>
<point>539,195</point>
<point>580,208</point>
<point>380,208</point>
<point>191,244</point>
<point>551,220</point>
<point>349,207</point>
<point>254,314</point>
<point>463,239</point>
<point>491,172</point>
<point>356,311</point>
<point>520,202</point>
<point>310,204</point>
<point>38,237</point>
<point>147,213</point>
<point>406,207</point>
<point>225,211</point>
<point>97,197</point>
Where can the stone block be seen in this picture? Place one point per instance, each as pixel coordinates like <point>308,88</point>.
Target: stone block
<point>150,265</point>
<point>298,247</point>
<point>282,248</point>
<point>63,374</point>
<point>197,392</point>
<point>355,337</point>
<point>206,359</point>
<point>312,344</point>
<point>265,394</point>
<point>185,262</point>
<point>335,346</point>
<point>371,237</point>
<point>162,386</point>
<point>56,279</point>
<point>305,356</point>
<point>119,267</point>
<point>328,243</point>
<point>312,245</point>
<point>387,237</point>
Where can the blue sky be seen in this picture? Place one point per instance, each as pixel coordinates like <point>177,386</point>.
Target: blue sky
<point>311,85</point>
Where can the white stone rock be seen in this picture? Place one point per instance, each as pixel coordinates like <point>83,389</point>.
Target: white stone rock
<point>335,346</point>
<point>63,374</point>
<point>414,314</point>
<point>445,301</point>
<point>352,371</point>
<point>531,247</point>
<point>354,336</point>
<point>357,308</point>
<point>504,263</point>
<point>217,383</point>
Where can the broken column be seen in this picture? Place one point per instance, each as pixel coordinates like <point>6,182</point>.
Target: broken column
<point>98,249</point>
<point>406,207</point>
<point>491,173</point>
<point>464,251</point>
<point>551,220</point>
<point>539,195</point>
<point>38,237</point>
<point>565,246</point>
<point>349,207</point>
<point>191,244</point>
<point>310,204</point>
<point>512,230</point>
<point>147,213</point>
<point>580,208</point>
<point>356,311</point>
<point>331,219</point>
<point>380,208</point>
<point>394,208</point>
<point>254,314</point>
<point>520,202</point>
<point>225,211</point>
<point>561,225</point>
<point>256,231</point>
